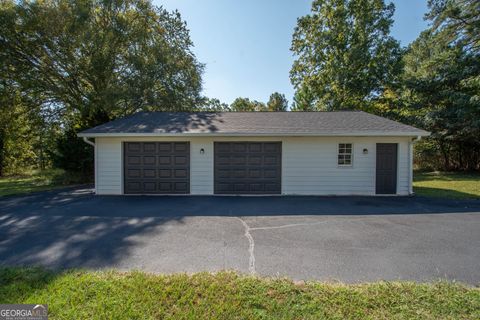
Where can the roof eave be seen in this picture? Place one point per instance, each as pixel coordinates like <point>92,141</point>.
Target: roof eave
<point>242,134</point>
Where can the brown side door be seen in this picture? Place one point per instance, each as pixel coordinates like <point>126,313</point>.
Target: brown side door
<point>156,167</point>
<point>386,173</point>
<point>248,167</point>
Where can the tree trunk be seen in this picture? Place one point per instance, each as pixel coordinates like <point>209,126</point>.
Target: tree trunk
<point>446,161</point>
<point>42,160</point>
<point>2,153</point>
<point>461,165</point>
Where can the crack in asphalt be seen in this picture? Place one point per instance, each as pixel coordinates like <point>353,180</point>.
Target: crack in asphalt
<point>288,226</point>
<point>251,241</point>
<point>251,247</point>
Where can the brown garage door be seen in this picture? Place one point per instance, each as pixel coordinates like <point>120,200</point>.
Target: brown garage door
<point>248,167</point>
<point>156,167</point>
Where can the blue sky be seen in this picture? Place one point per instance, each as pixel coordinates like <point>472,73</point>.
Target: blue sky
<point>246,44</point>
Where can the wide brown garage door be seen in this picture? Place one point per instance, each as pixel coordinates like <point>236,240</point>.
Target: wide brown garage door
<point>156,167</point>
<point>248,167</point>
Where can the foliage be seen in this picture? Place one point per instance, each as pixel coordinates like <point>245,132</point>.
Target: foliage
<point>303,100</point>
<point>226,295</point>
<point>447,185</point>
<point>73,154</point>
<point>345,54</point>
<point>458,21</point>
<point>91,61</point>
<point>49,128</point>
<point>277,102</point>
<point>441,92</point>
<point>210,105</point>
<point>101,59</point>
<point>439,89</point>
<point>245,104</point>
<point>40,180</point>
<point>17,132</point>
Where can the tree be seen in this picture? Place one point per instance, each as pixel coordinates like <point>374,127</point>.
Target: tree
<point>19,117</point>
<point>277,102</point>
<point>92,61</point>
<point>443,92</point>
<point>303,100</point>
<point>101,59</point>
<point>211,105</point>
<point>244,104</point>
<point>345,55</point>
<point>259,106</point>
<point>17,132</point>
<point>458,21</point>
<point>441,85</point>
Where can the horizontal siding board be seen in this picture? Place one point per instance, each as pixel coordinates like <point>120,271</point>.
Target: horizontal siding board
<point>109,166</point>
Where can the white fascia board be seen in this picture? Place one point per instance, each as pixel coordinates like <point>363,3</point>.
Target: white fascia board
<point>233,134</point>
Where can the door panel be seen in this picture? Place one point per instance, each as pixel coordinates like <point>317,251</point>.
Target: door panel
<point>156,167</point>
<point>386,172</point>
<point>248,167</point>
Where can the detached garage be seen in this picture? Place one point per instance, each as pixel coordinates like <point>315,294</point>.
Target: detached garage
<point>290,153</point>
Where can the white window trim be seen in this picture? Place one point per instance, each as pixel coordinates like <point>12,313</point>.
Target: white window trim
<point>351,155</point>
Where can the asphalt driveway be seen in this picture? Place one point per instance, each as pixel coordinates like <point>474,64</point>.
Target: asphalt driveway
<point>350,239</point>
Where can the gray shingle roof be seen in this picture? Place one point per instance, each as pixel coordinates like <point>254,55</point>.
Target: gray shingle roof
<point>253,123</point>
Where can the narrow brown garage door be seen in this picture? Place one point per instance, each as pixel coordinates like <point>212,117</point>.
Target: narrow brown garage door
<point>248,167</point>
<point>386,181</point>
<point>156,167</point>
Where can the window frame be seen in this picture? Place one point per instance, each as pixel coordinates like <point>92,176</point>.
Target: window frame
<point>344,154</point>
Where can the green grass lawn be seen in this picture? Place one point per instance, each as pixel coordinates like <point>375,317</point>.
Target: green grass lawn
<point>226,295</point>
<point>37,181</point>
<point>447,185</point>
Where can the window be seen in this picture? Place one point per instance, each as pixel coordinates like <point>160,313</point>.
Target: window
<point>345,154</point>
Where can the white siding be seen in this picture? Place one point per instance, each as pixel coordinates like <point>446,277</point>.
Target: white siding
<point>201,166</point>
<point>309,164</point>
<point>108,166</point>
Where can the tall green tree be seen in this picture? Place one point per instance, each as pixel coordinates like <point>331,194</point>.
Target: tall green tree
<point>91,61</point>
<point>277,102</point>
<point>303,100</point>
<point>345,56</point>
<point>442,91</point>
<point>99,59</point>
<point>242,104</point>
<point>17,132</point>
<point>458,21</point>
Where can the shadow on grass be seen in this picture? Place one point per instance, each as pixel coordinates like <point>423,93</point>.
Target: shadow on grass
<point>18,185</point>
<point>16,284</point>
<point>39,181</point>
<point>443,193</point>
<point>434,176</point>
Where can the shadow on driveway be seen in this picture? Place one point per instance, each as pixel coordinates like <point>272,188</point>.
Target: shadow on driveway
<point>74,228</point>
